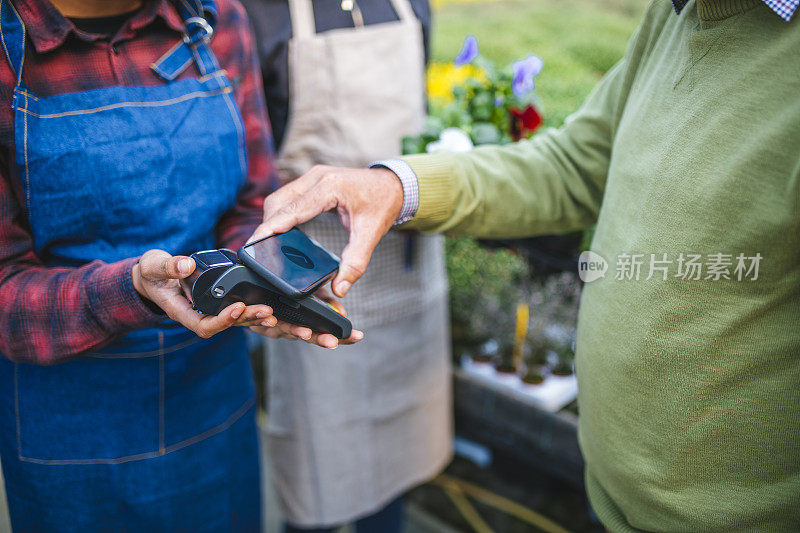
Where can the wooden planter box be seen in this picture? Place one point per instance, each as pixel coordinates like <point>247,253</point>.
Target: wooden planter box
<point>507,424</point>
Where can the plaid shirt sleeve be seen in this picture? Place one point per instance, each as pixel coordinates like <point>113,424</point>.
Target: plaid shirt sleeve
<point>238,223</point>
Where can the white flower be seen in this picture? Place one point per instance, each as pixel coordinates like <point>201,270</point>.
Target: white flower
<point>453,140</point>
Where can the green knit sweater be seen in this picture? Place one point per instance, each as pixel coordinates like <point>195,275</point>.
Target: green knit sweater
<point>689,389</point>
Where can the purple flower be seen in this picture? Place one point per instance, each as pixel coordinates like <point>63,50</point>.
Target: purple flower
<point>469,51</point>
<point>525,70</point>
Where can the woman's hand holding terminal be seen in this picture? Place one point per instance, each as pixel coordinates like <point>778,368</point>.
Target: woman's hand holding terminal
<point>157,278</point>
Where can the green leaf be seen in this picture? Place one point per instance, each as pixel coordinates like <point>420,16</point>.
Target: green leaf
<point>485,133</point>
<point>433,126</point>
<point>412,145</point>
<point>453,116</point>
<point>482,105</point>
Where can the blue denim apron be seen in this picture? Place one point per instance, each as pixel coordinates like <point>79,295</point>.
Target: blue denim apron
<point>157,430</point>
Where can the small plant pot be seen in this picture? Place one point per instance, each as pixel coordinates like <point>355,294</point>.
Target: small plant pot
<point>504,362</point>
<point>477,364</point>
<point>533,378</point>
<point>505,368</point>
<point>506,372</point>
<point>563,370</point>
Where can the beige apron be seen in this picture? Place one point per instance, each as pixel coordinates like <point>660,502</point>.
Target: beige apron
<point>351,429</point>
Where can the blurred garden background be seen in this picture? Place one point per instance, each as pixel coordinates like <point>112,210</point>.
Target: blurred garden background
<point>514,304</point>
<point>573,43</point>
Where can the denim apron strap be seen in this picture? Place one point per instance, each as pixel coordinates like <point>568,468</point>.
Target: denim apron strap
<point>200,17</point>
<point>12,33</point>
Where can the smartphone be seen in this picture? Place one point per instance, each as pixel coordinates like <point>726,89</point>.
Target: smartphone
<point>293,262</point>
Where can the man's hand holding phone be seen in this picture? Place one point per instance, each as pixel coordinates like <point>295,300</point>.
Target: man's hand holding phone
<point>368,202</point>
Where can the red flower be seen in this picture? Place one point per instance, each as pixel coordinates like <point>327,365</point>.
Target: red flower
<point>524,121</point>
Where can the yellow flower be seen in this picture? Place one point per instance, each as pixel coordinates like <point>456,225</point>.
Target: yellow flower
<point>444,77</point>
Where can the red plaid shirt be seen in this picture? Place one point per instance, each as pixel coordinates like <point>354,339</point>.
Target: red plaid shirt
<point>50,314</point>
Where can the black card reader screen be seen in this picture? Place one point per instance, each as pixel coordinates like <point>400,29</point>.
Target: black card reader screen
<point>294,258</point>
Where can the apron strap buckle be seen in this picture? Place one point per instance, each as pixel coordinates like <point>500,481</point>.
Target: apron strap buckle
<point>193,47</point>
<point>197,29</point>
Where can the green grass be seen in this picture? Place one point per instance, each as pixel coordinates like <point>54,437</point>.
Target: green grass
<point>579,40</point>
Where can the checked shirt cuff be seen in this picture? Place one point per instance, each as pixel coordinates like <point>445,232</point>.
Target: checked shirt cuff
<point>410,187</point>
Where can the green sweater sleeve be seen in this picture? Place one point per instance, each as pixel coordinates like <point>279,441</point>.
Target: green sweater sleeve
<point>552,183</point>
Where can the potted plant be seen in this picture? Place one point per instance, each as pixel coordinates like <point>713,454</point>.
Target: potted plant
<point>564,364</point>
<point>537,347</point>
<point>472,102</point>
<point>484,286</point>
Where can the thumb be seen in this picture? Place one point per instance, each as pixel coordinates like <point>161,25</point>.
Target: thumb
<point>355,258</point>
<point>159,265</point>
<point>180,266</point>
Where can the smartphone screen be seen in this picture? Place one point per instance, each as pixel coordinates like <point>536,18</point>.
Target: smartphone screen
<point>294,258</point>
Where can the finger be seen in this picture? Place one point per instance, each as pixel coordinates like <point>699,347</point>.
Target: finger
<point>324,340</point>
<point>337,306</point>
<point>249,323</point>
<point>186,291</point>
<point>209,326</point>
<point>269,322</point>
<point>300,331</point>
<point>272,332</point>
<point>325,295</point>
<point>355,336</point>
<point>266,332</point>
<point>356,256</point>
<point>180,310</point>
<point>152,264</point>
<point>254,313</point>
<point>296,210</point>
<point>261,232</point>
<point>158,265</point>
<point>284,196</point>
<point>179,266</point>
<point>285,328</point>
<point>296,187</point>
